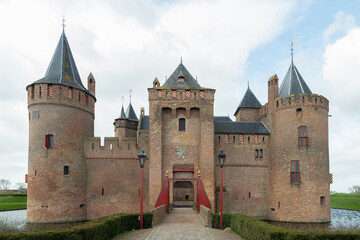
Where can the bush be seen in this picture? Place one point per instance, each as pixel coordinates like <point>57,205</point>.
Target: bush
<point>226,221</point>
<point>253,229</point>
<point>100,229</point>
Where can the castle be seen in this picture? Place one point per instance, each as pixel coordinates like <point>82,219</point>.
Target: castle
<point>277,156</point>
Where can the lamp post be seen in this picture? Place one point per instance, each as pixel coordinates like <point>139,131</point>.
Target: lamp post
<point>142,158</point>
<point>221,158</point>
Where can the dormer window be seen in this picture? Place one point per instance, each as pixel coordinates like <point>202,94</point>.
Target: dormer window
<point>181,77</point>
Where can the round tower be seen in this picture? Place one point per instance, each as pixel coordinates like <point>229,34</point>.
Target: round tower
<point>61,114</point>
<point>299,158</point>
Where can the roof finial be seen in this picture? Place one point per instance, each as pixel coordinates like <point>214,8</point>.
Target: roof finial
<point>63,23</point>
<point>180,59</point>
<point>122,100</point>
<point>248,85</point>
<point>292,50</point>
<point>130,95</point>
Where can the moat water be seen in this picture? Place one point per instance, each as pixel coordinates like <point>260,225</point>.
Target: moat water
<point>341,220</point>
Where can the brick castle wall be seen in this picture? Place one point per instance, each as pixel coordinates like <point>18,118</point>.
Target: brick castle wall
<point>67,114</point>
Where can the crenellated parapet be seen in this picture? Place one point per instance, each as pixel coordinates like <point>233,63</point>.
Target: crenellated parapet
<point>175,95</point>
<point>314,101</point>
<point>113,148</point>
<point>62,95</point>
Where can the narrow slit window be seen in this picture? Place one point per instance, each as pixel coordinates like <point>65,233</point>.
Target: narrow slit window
<point>66,170</point>
<point>92,146</point>
<point>233,138</point>
<point>40,92</point>
<point>322,200</point>
<point>256,153</point>
<point>102,192</point>
<point>249,195</point>
<point>60,92</point>
<point>260,153</point>
<point>295,171</point>
<point>182,124</point>
<point>219,138</point>
<point>49,141</point>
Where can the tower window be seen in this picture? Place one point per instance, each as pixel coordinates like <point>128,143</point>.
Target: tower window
<point>66,170</point>
<point>182,124</point>
<point>260,153</point>
<point>32,91</point>
<point>303,137</point>
<point>90,80</point>
<point>102,191</point>
<point>322,200</point>
<point>299,113</point>
<point>49,141</point>
<point>295,171</point>
<point>40,92</point>
<point>60,92</point>
<point>219,138</point>
<point>256,153</point>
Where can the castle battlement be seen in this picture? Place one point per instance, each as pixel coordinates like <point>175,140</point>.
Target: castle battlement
<point>170,94</point>
<point>113,147</point>
<point>58,94</point>
<point>304,100</point>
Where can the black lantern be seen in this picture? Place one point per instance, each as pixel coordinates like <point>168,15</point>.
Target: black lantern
<point>221,158</point>
<point>142,158</point>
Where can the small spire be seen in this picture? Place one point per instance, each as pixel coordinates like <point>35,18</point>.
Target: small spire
<point>248,85</point>
<point>165,77</point>
<point>63,23</point>
<point>180,59</point>
<point>292,50</point>
<point>122,101</point>
<point>130,95</point>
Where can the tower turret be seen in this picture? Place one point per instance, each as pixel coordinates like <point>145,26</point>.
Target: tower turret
<point>299,157</point>
<point>126,125</point>
<point>249,108</point>
<point>61,114</point>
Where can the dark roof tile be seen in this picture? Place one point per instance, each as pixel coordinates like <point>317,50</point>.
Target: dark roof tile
<point>241,128</point>
<point>293,83</point>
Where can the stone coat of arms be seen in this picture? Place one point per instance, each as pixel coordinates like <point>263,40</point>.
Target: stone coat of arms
<point>180,152</point>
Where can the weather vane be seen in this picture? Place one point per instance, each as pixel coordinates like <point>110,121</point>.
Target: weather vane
<point>130,95</point>
<point>122,100</point>
<point>292,50</point>
<point>63,22</point>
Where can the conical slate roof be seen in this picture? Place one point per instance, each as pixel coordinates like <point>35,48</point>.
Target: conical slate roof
<point>62,68</point>
<point>181,71</point>
<point>130,113</point>
<point>293,83</point>
<point>122,114</point>
<point>249,100</point>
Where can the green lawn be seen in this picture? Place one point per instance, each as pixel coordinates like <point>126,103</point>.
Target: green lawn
<point>345,200</point>
<point>12,203</point>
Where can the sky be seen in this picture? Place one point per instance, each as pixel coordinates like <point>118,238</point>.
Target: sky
<point>226,44</point>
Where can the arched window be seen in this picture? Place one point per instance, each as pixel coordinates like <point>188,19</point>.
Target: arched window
<point>182,124</point>
<point>303,137</point>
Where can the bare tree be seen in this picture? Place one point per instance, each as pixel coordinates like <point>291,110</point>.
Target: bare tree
<point>4,184</point>
<point>355,189</point>
<point>20,186</point>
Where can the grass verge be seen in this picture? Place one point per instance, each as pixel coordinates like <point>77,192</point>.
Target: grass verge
<point>12,202</point>
<point>349,201</point>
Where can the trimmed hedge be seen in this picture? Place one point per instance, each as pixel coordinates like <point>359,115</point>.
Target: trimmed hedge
<point>100,229</point>
<point>253,229</point>
<point>226,221</point>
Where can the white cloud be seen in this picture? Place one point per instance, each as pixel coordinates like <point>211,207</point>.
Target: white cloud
<point>126,44</point>
<point>343,24</point>
<point>341,72</point>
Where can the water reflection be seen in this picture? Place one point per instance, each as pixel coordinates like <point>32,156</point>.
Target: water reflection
<point>11,221</point>
<point>341,220</point>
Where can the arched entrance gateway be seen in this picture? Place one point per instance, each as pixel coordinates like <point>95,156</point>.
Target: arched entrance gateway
<point>183,190</point>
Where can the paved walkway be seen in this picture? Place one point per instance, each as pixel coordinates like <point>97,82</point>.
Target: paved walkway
<point>181,223</point>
